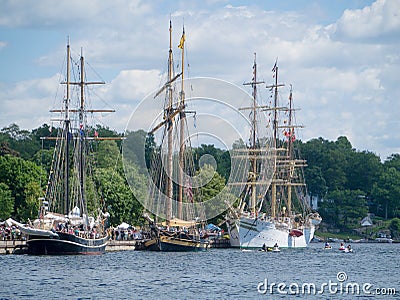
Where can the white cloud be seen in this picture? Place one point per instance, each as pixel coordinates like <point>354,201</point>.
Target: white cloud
<point>72,13</point>
<point>380,20</point>
<point>345,74</point>
<point>132,85</point>
<point>26,103</point>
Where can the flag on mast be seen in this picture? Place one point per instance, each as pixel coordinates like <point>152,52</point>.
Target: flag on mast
<point>182,41</point>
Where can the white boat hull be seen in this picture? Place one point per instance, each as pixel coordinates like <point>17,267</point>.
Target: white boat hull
<point>254,233</point>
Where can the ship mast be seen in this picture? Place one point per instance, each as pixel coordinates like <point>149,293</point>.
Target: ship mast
<point>292,162</point>
<point>290,170</point>
<point>66,132</point>
<point>253,139</point>
<point>275,109</point>
<point>182,116</point>
<point>81,110</point>
<point>169,128</point>
<point>82,135</point>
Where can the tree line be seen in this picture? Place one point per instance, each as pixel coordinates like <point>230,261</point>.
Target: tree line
<point>348,183</point>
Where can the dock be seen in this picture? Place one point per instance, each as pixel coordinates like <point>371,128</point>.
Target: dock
<point>12,247</point>
<point>124,245</point>
<point>220,243</point>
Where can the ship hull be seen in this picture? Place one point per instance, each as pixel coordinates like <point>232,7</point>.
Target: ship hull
<point>182,245</point>
<point>254,233</point>
<point>66,244</point>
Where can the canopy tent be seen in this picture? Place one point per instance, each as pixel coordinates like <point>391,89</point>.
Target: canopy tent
<point>123,225</point>
<point>366,221</point>
<point>179,222</point>
<point>213,227</point>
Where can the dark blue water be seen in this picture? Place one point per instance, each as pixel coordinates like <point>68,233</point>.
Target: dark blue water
<point>216,274</point>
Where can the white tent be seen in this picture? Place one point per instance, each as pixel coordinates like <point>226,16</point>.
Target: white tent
<point>366,222</point>
<point>123,225</point>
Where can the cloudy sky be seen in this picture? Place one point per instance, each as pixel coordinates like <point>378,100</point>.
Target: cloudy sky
<point>341,56</point>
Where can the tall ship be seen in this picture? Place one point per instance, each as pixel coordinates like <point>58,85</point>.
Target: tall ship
<point>65,224</point>
<point>279,215</point>
<point>175,219</point>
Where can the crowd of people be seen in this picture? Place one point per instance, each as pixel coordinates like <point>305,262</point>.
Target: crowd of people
<point>9,233</point>
<point>125,234</point>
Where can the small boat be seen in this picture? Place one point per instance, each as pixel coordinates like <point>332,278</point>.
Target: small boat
<point>274,249</point>
<point>269,249</point>
<point>328,247</point>
<point>348,250</point>
<point>342,247</point>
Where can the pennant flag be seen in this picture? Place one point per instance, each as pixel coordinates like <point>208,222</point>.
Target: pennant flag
<point>180,46</point>
<point>274,68</point>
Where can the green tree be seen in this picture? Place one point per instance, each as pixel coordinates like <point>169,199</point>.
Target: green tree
<point>108,155</point>
<point>119,200</point>
<point>344,208</point>
<point>394,228</point>
<point>17,174</point>
<point>30,207</point>
<point>386,193</point>
<point>6,201</point>
<point>316,182</point>
<point>22,141</point>
<point>213,192</point>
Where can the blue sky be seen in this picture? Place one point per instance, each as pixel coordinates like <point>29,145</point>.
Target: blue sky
<point>342,57</point>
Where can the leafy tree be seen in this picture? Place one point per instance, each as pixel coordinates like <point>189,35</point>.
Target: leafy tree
<point>6,201</point>
<point>137,148</point>
<point>6,149</point>
<point>30,207</point>
<point>344,208</point>
<point>17,174</point>
<point>363,170</point>
<point>108,155</point>
<point>393,161</point>
<point>316,182</point>
<point>44,158</point>
<point>386,193</point>
<point>394,228</point>
<point>21,141</point>
<point>205,154</point>
<point>119,200</point>
<point>212,186</point>
<point>39,135</point>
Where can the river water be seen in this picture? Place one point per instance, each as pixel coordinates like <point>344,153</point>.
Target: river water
<point>215,274</point>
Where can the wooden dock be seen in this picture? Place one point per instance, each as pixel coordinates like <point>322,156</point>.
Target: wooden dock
<point>127,245</point>
<point>12,247</point>
<point>220,243</point>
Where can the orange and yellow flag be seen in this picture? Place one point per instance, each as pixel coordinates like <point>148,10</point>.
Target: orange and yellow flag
<point>180,46</point>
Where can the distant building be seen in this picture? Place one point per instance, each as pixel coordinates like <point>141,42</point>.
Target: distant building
<point>366,222</point>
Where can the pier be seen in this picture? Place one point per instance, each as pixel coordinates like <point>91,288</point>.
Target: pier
<point>12,247</point>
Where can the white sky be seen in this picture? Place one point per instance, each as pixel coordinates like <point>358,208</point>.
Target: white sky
<point>342,57</point>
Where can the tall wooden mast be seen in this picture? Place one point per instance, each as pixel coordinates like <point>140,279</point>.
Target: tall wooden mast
<point>67,134</point>
<point>253,153</point>
<point>182,116</point>
<point>275,109</point>
<point>170,123</point>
